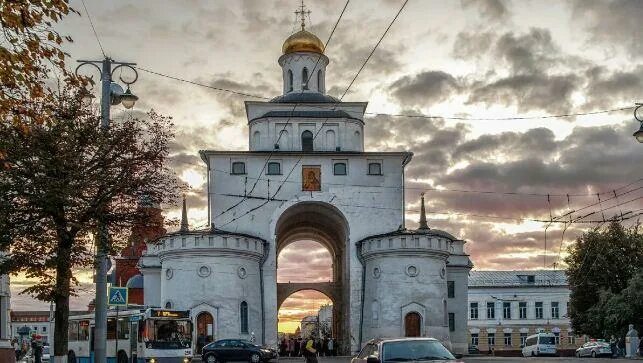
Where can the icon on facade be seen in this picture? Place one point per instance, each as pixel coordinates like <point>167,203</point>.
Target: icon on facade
<point>311,178</point>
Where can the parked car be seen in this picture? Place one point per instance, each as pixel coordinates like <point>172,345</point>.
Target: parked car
<point>404,350</point>
<point>473,349</point>
<point>594,349</point>
<point>236,350</point>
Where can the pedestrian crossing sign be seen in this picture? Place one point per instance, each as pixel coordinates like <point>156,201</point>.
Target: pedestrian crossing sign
<point>117,296</point>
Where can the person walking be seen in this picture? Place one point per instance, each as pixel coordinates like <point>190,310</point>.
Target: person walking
<point>310,351</point>
<point>331,347</point>
<point>613,346</point>
<point>16,348</point>
<point>296,346</point>
<point>291,346</point>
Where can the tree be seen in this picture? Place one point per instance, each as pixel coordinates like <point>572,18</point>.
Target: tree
<point>63,177</point>
<point>601,267</point>
<point>30,52</point>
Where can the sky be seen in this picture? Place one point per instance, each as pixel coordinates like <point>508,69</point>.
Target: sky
<point>465,59</point>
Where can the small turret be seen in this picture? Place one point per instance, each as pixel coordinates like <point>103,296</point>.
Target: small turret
<point>184,217</point>
<point>423,224</point>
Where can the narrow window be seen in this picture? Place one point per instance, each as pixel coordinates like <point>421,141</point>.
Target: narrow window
<point>256,139</point>
<point>339,169</point>
<point>539,310</point>
<point>274,168</point>
<point>290,81</point>
<point>507,339</point>
<point>523,339</point>
<point>320,84</point>
<point>491,339</point>
<point>374,168</point>
<point>330,140</point>
<point>522,307</point>
<point>474,339</point>
<point>304,78</point>
<point>238,167</point>
<point>306,141</point>
<point>491,310</point>
<point>450,289</point>
<point>506,310</point>
<point>451,322</point>
<point>474,311</point>
<point>244,317</point>
<point>555,312</point>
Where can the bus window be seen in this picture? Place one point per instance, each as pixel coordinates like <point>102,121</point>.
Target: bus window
<point>73,331</point>
<point>111,329</point>
<point>141,332</point>
<point>83,330</point>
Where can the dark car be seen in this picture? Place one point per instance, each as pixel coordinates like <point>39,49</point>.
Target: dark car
<point>236,350</point>
<point>404,350</point>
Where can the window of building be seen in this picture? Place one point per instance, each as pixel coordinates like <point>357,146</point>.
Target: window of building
<point>450,289</point>
<point>491,339</point>
<point>539,309</point>
<point>238,167</point>
<point>44,329</point>
<point>557,337</point>
<point>473,311</point>
<point>168,305</point>
<point>304,78</point>
<point>555,313</point>
<point>491,310</point>
<point>523,338</point>
<point>244,317</point>
<point>507,339</point>
<point>474,339</point>
<point>567,310</point>
<point>320,81</point>
<point>290,81</point>
<point>374,168</point>
<point>506,310</point>
<point>451,322</point>
<point>274,168</point>
<point>306,141</point>
<point>571,339</point>
<point>339,168</point>
<point>522,309</point>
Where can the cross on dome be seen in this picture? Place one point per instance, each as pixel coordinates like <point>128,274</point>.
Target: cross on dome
<point>301,13</point>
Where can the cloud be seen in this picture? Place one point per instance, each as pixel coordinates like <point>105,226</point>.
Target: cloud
<point>425,88</point>
<point>606,88</point>
<point>490,9</point>
<point>528,92</point>
<point>472,44</point>
<point>615,23</point>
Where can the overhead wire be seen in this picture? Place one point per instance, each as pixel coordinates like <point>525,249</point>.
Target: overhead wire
<point>304,86</point>
<point>94,29</point>
<point>339,101</point>
<point>422,116</point>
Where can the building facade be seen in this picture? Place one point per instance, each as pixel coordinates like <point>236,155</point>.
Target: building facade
<point>306,176</point>
<point>505,307</point>
<point>25,324</point>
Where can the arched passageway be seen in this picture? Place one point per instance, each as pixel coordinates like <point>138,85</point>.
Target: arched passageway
<point>204,330</point>
<point>324,224</point>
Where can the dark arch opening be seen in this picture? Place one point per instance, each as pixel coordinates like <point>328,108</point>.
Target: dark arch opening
<point>307,141</point>
<point>304,78</point>
<point>290,81</point>
<point>325,224</point>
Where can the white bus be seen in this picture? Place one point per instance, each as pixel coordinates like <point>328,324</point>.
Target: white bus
<point>539,344</point>
<point>144,336</point>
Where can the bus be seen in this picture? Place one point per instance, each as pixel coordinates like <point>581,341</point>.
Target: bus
<point>134,336</point>
<point>539,344</point>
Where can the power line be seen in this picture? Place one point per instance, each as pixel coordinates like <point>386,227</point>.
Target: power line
<point>334,107</point>
<point>422,116</point>
<point>94,29</point>
<point>449,190</point>
<point>304,86</point>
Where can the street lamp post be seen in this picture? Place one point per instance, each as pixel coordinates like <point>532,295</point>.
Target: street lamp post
<point>111,94</point>
<point>638,115</point>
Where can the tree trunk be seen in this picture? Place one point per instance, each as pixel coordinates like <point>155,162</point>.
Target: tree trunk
<point>61,298</point>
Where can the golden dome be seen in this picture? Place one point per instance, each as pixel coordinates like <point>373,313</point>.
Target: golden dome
<point>303,41</point>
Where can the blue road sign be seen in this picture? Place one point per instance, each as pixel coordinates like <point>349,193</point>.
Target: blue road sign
<point>117,296</point>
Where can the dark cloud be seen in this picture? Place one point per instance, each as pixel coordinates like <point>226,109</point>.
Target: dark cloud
<point>508,144</point>
<point>605,89</point>
<point>233,103</point>
<point>490,9</point>
<point>425,88</point>
<point>615,23</point>
<point>528,92</point>
<point>469,45</point>
<point>527,53</point>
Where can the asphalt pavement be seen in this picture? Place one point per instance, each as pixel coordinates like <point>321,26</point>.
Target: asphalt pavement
<point>477,359</point>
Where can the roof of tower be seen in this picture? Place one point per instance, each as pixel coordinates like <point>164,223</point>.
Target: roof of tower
<point>305,97</point>
<point>303,41</point>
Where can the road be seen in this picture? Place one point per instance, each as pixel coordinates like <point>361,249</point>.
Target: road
<point>478,359</point>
